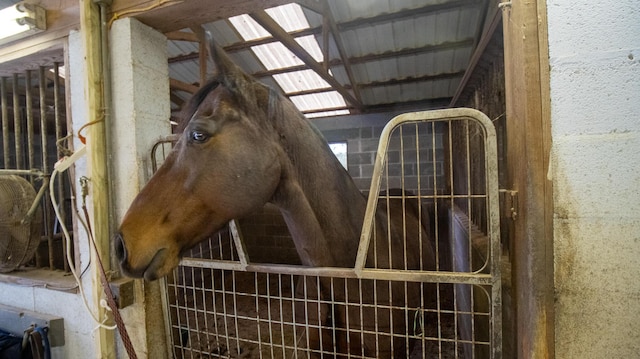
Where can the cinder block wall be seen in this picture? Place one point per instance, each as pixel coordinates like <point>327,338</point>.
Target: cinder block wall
<point>594,56</point>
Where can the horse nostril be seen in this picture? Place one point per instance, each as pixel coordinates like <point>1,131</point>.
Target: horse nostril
<point>121,251</point>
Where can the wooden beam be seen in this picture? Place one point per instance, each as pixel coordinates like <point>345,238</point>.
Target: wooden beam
<point>413,79</point>
<point>96,151</point>
<point>182,36</point>
<point>528,152</point>
<point>424,10</point>
<point>171,15</point>
<point>390,82</point>
<point>342,52</point>
<point>202,51</point>
<point>267,22</point>
<point>182,86</point>
<point>495,21</point>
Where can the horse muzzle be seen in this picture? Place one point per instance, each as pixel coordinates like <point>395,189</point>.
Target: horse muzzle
<point>147,270</point>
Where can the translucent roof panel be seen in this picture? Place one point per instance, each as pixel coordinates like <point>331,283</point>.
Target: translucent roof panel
<point>248,28</point>
<point>275,56</point>
<point>300,81</point>
<point>328,113</point>
<point>318,101</point>
<point>289,16</point>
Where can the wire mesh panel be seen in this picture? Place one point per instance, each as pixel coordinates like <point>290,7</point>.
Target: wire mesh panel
<point>426,283</point>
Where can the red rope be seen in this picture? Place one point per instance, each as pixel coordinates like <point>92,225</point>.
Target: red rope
<point>122,329</point>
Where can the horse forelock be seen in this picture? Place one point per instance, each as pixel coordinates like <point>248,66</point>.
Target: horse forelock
<point>196,100</point>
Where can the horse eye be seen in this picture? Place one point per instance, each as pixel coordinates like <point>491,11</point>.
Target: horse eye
<point>199,136</point>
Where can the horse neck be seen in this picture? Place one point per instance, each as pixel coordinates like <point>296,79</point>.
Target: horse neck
<point>319,201</point>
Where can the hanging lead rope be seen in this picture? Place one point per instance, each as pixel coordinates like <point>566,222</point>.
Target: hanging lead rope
<point>122,329</point>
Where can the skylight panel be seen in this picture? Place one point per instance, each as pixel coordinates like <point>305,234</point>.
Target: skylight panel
<point>248,28</point>
<point>318,101</point>
<point>327,113</point>
<point>276,56</point>
<point>289,16</point>
<point>300,81</point>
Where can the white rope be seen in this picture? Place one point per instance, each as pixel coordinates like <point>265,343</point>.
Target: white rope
<point>61,166</point>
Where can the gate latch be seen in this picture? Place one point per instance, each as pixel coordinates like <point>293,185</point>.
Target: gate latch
<point>511,202</point>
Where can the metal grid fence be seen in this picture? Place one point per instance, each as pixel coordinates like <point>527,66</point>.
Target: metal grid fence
<point>222,306</point>
<point>34,128</point>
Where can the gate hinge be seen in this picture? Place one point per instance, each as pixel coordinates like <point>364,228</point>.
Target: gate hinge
<point>511,202</point>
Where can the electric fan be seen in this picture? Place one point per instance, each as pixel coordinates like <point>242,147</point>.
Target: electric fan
<point>19,235</point>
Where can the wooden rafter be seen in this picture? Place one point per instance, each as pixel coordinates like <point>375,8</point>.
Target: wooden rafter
<point>182,86</point>
<point>267,22</point>
<point>342,52</point>
<point>425,10</point>
<point>353,60</point>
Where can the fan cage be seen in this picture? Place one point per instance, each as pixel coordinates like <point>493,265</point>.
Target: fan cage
<point>34,128</point>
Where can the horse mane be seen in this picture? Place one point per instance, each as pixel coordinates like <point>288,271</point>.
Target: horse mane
<point>274,102</point>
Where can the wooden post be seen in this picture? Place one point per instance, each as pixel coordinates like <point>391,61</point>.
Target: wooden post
<point>96,150</point>
<point>528,149</point>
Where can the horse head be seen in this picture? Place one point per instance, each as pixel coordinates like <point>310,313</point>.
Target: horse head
<point>225,165</point>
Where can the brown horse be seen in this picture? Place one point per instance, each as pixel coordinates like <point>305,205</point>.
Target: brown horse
<point>244,145</point>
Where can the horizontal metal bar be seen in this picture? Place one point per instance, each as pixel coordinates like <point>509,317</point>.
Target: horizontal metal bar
<point>349,273</point>
<point>36,173</point>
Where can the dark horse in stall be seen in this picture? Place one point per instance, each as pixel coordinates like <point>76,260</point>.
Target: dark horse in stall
<point>244,145</point>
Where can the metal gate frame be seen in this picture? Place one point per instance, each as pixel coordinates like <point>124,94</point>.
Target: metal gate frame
<point>479,278</point>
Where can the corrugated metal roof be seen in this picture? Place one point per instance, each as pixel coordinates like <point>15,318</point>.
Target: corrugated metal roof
<point>407,52</point>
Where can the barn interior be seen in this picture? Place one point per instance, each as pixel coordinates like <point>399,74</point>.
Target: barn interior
<point>350,67</point>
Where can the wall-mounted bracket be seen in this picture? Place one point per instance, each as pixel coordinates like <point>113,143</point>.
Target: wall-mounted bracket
<point>510,201</point>
<point>16,321</point>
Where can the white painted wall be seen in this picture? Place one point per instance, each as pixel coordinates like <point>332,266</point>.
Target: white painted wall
<point>141,111</point>
<point>594,50</point>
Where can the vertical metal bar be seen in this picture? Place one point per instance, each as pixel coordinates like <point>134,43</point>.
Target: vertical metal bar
<point>293,318</point>
<point>43,119</point>
<point>224,309</point>
<point>239,243</point>
<point>269,315</point>
<point>56,103</point>
<point>256,288</point>
<point>282,330</point>
<point>234,293</point>
<point>17,124</point>
<point>176,292</point>
<point>214,304</point>
<point>5,122</point>
<point>58,136</point>
<point>419,198</point>
<point>29,113</point>
<point>48,215</point>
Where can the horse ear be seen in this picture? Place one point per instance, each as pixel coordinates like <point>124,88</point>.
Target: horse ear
<point>225,70</point>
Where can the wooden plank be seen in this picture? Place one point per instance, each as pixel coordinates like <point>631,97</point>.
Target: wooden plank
<point>528,133</point>
<point>182,86</point>
<point>96,150</point>
<point>171,15</point>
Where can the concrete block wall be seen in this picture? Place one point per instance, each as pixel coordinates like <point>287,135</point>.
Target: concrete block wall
<point>594,50</point>
<point>141,114</point>
<point>362,139</point>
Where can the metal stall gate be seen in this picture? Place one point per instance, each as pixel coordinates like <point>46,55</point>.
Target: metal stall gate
<point>441,165</point>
